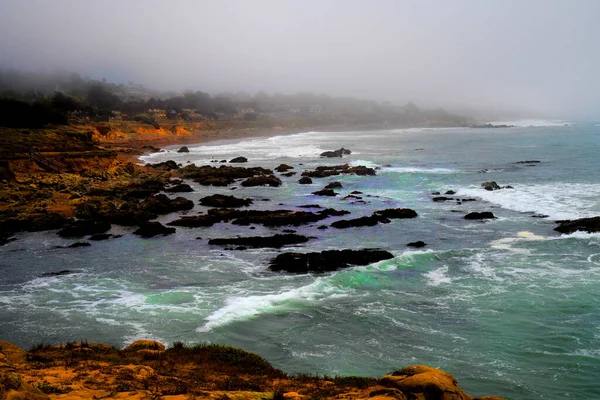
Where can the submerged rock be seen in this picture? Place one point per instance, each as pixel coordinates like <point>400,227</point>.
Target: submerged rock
<point>326,261</point>
<point>589,225</point>
<point>275,241</point>
<point>220,200</point>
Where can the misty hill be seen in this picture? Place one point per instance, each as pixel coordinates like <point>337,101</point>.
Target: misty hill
<point>34,99</point>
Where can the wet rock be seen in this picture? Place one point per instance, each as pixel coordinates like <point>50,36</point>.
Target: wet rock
<point>480,215</point>
<point>288,174</point>
<point>310,206</point>
<point>490,186</point>
<point>325,192</point>
<point>283,168</point>
<point>305,180</point>
<point>467,200</point>
<point>334,185</point>
<point>442,198</point>
<point>325,171</point>
<point>238,160</point>
<point>418,244</point>
<point>81,228</point>
<point>358,222</point>
<point>100,236</point>
<point>396,213</point>
<point>151,229</point>
<point>356,192</point>
<point>78,244</point>
<point>220,200</point>
<point>34,222</point>
<point>179,188</point>
<point>450,192</point>
<point>164,166</point>
<point>58,273</point>
<point>262,180</point>
<point>336,153</point>
<point>161,204</point>
<point>326,261</point>
<point>220,176</point>
<point>183,149</point>
<point>528,162</point>
<point>589,225</point>
<point>276,241</point>
<point>195,221</point>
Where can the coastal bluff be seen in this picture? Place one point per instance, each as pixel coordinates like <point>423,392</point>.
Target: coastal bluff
<point>147,369</point>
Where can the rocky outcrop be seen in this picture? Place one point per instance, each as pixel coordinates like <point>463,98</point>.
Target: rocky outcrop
<point>165,166</point>
<point>334,185</point>
<point>31,222</point>
<point>179,188</point>
<point>325,171</point>
<point>396,213</point>
<point>238,160</point>
<point>220,176</point>
<point>480,215</point>
<point>305,180</point>
<point>151,229</point>
<point>221,200</point>
<point>325,192</point>
<point>262,180</point>
<point>426,383</point>
<point>283,168</point>
<point>418,244</point>
<point>183,149</point>
<point>326,261</point>
<point>336,153</point>
<point>589,225</point>
<point>490,186</point>
<point>81,228</point>
<point>378,217</point>
<point>161,204</point>
<point>437,199</point>
<point>276,241</point>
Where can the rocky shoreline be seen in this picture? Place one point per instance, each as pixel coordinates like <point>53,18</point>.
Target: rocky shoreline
<point>148,370</point>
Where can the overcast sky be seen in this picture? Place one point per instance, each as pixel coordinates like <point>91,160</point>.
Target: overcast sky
<point>539,55</point>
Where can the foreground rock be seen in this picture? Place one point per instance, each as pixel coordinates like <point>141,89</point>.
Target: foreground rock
<point>325,171</point>
<point>336,153</point>
<point>276,241</point>
<point>326,261</point>
<point>589,225</point>
<point>221,200</point>
<point>98,371</point>
<point>151,229</point>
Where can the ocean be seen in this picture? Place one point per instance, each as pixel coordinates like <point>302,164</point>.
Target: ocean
<point>508,306</point>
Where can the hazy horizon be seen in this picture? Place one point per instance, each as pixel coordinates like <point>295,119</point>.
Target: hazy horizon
<point>535,57</point>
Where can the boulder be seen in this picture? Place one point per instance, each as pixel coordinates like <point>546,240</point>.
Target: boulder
<point>81,228</point>
<point>238,160</point>
<point>442,198</point>
<point>145,345</point>
<point>424,382</point>
<point>450,192</point>
<point>151,229</point>
<point>325,192</point>
<point>179,188</point>
<point>361,221</point>
<point>220,200</point>
<point>262,180</point>
<point>283,168</point>
<point>336,153</point>
<point>78,244</point>
<point>418,244</point>
<point>165,166</point>
<point>589,225</point>
<point>276,241</point>
<point>183,149</point>
<point>396,213</point>
<point>490,186</point>
<point>161,204</point>
<point>305,180</point>
<point>195,221</point>
<point>326,261</point>
<point>334,185</point>
<point>480,215</point>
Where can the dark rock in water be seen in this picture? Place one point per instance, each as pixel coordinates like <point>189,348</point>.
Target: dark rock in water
<point>442,198</point>
<point>539,216</point>
<point>220,200</point>
<point>336,153</point>
<point>589,225</point>
<point>417,244</point>
<point>179,188</point>
<point>467,200</point>
<point>480,215</point>
<point>396,213</point>
<point>325,171</point>
<point>326,261</point>
<point>6,239</point>
<point>220,176</point>
<point>361,221</point>
<point>492,126</point>
<point>288,231</point>
<point>310,206</point>
<point>305,180</point>
<point>288,174</point>
<point>165,166</point>
<point>151,229</point>
<point>356,192</point>
<point>325,192</point>
<point>528,162</point>
<point>59,273</point>
<point>490,186</point>
<point>283,168</point>
<point>100,236</point>
<point>435,193</point>
<point>334,185</point>
<point>223,161</point>
<point>195,221</point>
<point>276,241</point>
<point>262,180</point>
<point>322,227</point>
<point>508,187</point>
<point>351,197</point>
<point>81,228</point>
<point>161,204</point>
<point>238,160</point>
<point>450,192</point>
<point>78,244</point>
<point>184,149</point>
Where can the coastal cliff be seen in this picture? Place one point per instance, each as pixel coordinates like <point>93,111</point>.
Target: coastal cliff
<point>148,370</point>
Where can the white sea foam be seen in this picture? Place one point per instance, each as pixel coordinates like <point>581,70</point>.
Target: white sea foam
<point>527,123</point>
<point>420,170</point>
<point>244,307</point>
<point>507,243</point>
<point>558,201</point>
<point>438,276</point>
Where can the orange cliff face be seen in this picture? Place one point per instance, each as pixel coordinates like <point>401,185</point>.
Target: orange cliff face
<point>148,370</point>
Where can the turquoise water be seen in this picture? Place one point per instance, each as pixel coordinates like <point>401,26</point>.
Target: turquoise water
<point>509,307</point>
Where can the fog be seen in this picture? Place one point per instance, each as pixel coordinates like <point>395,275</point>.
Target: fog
<point>534,57</point>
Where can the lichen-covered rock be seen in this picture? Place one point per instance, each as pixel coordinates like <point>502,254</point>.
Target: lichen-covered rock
<point>430,383</point>
<point>145,345</point>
